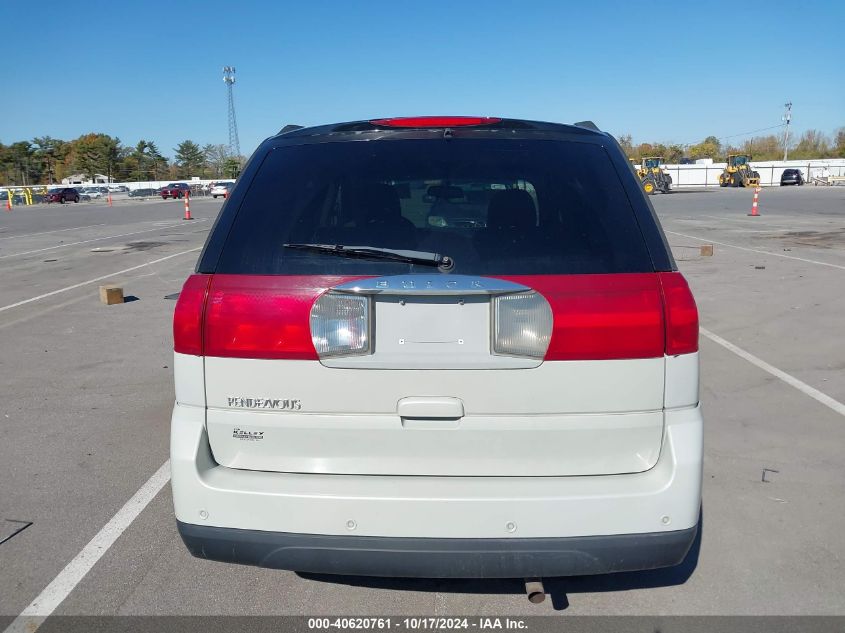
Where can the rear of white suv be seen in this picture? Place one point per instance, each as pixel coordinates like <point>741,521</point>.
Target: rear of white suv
<point>437,347</point>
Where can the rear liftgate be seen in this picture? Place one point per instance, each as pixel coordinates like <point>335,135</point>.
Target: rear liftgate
<point>439,375</point>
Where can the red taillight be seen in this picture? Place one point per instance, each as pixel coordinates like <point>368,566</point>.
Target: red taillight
<point>188,316</point>
<point>681,315</point>
<point>436,121</point>
<point>602,317</point>
<point>263,316</point>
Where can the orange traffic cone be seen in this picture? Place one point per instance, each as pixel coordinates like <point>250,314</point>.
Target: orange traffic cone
<point>754,212</point>
<point>187,206</point>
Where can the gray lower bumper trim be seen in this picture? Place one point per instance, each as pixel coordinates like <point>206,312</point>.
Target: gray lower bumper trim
<point>439,557</point>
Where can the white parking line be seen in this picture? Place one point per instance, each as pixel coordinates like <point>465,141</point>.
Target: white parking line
<point>792,381</point>
<point>96,279</point>
<point>755,250</point>
<point>73,228</point>
<point>54,594</point>
<point>96,239</point>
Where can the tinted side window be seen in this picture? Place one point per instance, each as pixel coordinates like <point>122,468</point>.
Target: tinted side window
<point>494,206</point>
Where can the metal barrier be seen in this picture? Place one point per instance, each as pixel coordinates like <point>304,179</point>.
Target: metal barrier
<point>770,172</point>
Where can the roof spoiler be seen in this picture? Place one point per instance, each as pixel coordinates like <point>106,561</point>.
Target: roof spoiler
<point>588,125</point>
<point>290,128</point>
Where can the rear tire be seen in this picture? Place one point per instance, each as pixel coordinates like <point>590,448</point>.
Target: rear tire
<point>76,199</point>
<point>649,186</point>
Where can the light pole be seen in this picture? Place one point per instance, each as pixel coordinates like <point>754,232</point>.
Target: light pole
<point>786,117</point>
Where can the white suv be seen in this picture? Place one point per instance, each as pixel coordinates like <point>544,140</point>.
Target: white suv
<point>439,346</point>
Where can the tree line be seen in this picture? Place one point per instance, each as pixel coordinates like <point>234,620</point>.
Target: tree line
<point>46,160</point>
<point>811,144</point>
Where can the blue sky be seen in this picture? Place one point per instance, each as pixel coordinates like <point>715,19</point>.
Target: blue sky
<point>661,72</point>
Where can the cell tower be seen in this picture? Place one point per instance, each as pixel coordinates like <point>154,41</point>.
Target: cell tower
<point>234,142</point>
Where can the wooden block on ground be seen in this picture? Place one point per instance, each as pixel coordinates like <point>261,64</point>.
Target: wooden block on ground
<point>111,295</point>
<point>706,250</point>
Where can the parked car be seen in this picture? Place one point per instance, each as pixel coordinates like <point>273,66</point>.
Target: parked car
<point>362,391</point>
<point>221,189</point>
<point>63,194</point>
<point>791,177</point>
<point>92,192</point>
<point>175,190</point>
<point>138,193</point>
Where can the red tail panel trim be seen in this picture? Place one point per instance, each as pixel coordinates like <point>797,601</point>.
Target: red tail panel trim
<point>188,316</point>
<point>596,317</point>
<point>263,316</point>
<point>602,317</point>
<point>681,315</point>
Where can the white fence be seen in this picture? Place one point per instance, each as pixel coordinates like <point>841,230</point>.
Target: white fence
<point>682,175</point>
<point>770,171</point>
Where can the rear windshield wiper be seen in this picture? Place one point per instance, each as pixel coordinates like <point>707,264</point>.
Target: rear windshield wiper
<point>421,258</point>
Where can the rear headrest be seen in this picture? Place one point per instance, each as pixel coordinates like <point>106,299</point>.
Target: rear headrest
<point>511,209</point>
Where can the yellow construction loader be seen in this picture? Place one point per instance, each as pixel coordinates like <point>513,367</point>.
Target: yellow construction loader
<point>652,176</point>
<point>738,172</point>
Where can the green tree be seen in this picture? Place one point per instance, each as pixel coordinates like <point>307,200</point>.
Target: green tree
<point>146,161</point>
<point>811,144</point>
<point>839,143</point>
<point>232,168</point>
<point>710,147</point>
<point>216,157</point>
<point>6,170</point>
<point>189,159</point>
<point>20,164</point>
<point>763,147</point>
<point>93,154</point>
<point>626,143</point>
<point>674,153</point>
<point>50,153</point>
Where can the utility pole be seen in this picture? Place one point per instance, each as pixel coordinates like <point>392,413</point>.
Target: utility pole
<point>787,116</point>
<point>234,142</point>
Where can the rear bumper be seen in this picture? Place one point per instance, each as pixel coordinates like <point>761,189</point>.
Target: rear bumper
<point>439,526</point>
<point>439,558</point>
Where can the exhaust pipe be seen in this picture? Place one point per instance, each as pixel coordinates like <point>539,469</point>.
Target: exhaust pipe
<point>534,589</point>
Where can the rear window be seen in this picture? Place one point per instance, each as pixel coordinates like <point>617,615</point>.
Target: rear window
<point>493,206</point>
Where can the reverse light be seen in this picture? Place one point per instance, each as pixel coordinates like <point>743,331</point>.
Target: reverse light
<point>522,325</point>
<point>340,325</point>
<point>436,121</point>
